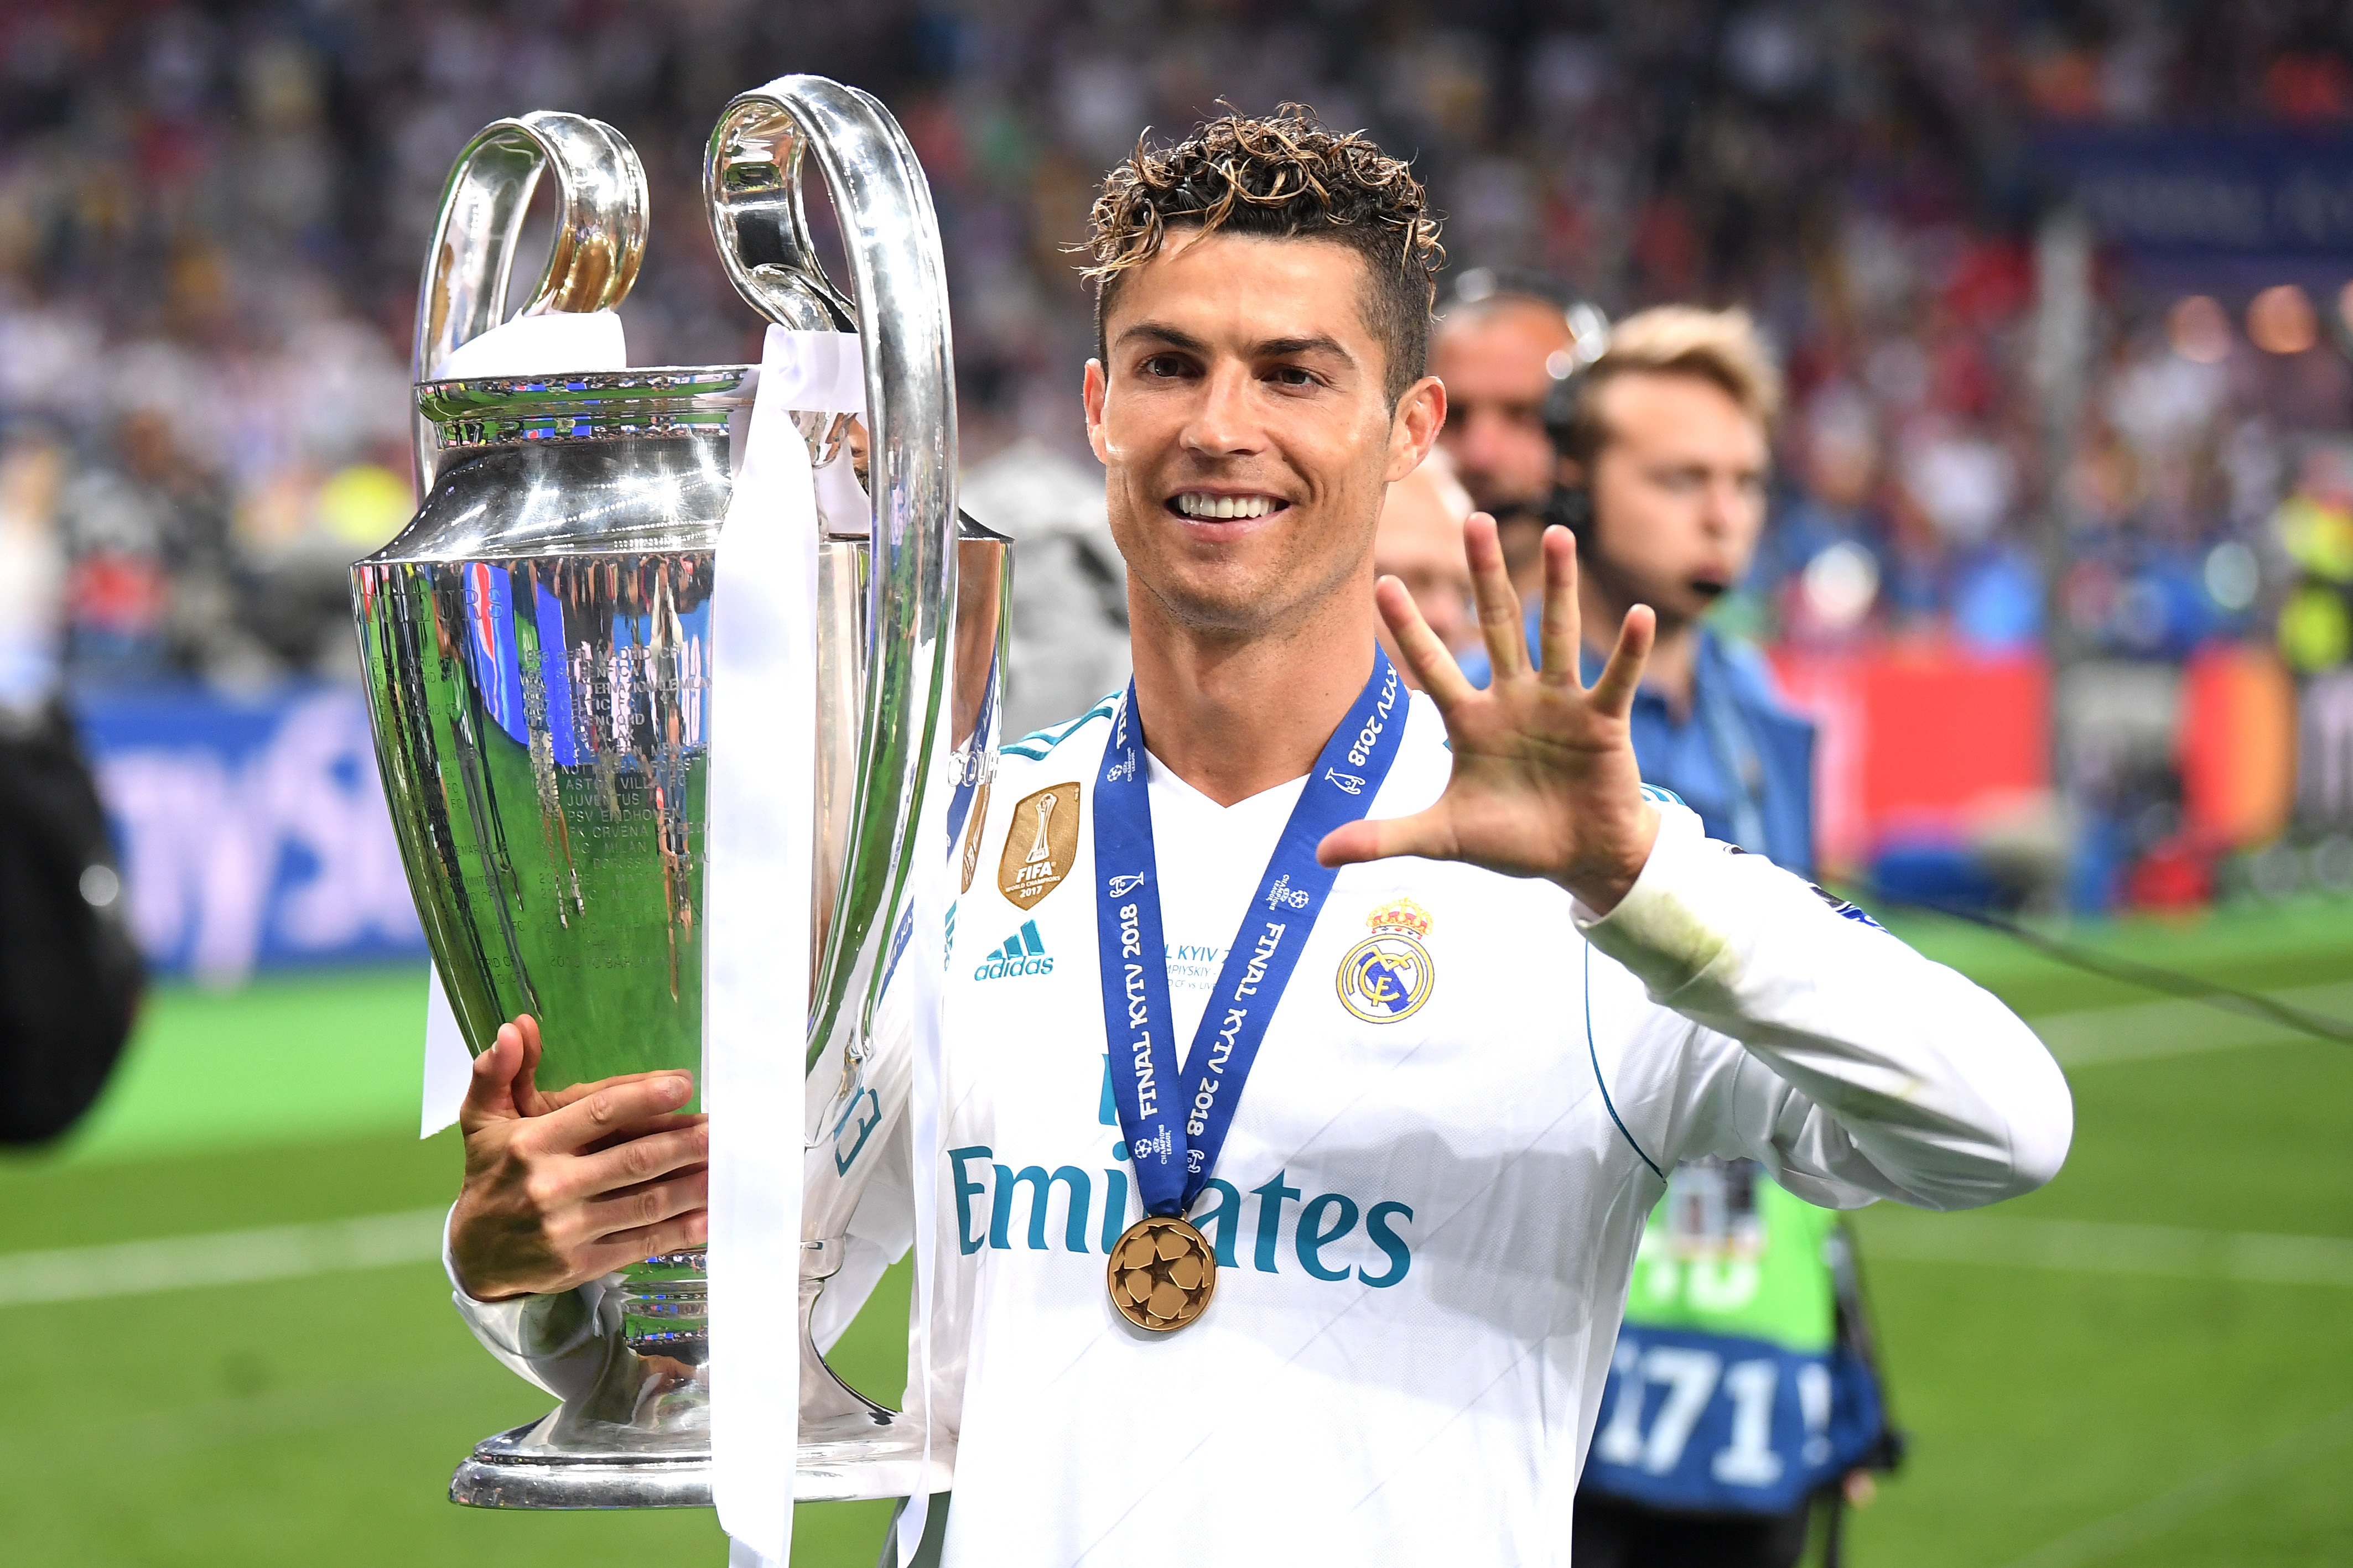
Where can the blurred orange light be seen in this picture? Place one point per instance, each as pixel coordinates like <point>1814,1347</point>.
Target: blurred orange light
<point>2281,320</point>
<point>2198,330</point>
<point>2345,304</point>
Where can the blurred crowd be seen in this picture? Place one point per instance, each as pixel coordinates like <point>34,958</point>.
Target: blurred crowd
<point>211,217</point>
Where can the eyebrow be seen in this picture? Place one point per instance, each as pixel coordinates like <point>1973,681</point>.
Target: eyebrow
<point>1284,348</point>
<point>1271,348</point>
<point>1161,334</point>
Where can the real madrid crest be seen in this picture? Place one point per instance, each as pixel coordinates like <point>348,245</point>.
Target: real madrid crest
<point>1388,975</point>
<point>1041,844</point>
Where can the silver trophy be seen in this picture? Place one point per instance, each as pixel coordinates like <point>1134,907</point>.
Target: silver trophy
<point>535,645</point>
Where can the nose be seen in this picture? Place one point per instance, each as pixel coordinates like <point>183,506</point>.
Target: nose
<point>1729,504</point>
<point>1223,422</point>
<point>1733,519</point>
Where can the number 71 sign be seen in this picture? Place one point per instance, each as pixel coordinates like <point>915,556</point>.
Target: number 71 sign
<point>1714,1422</point>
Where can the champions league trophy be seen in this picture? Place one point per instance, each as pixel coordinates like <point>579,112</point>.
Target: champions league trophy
<point>537,650</point>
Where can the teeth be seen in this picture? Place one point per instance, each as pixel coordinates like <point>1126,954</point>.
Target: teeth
<point>1193,504</point>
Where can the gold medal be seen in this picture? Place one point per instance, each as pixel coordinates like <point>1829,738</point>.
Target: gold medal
<point>1161,1273</point>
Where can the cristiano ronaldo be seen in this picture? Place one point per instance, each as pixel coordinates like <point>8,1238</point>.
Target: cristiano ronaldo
<point>1313,1047</point>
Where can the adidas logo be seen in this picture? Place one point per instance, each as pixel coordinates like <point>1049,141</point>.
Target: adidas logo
<point>1023,953</point>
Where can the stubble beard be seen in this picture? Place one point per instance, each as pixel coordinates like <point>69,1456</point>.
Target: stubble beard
<point>1620,594</point>
<point>1275,589</point>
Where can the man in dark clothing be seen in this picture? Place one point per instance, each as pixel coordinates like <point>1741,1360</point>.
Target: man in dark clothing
<point>69,976</point>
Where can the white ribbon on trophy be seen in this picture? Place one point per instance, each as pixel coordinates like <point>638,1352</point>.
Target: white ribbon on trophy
<point>549,344</point>
<point>762,801</point>
<point>753,1256</point>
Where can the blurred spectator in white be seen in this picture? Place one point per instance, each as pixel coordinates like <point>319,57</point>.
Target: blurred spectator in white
<point>1070,585</point>
<point>32,571</point>
<point>1419,543</point>
<point>1818,550</point>
<point>146,532</point>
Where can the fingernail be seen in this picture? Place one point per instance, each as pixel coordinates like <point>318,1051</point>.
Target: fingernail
<point>676,1090</point>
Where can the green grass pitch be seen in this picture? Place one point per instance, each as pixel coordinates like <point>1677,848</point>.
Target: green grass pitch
<point>2113,1408</point>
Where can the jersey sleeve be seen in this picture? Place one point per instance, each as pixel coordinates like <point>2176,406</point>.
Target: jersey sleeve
<point>1805,1036</point>
<point>558,1342</point>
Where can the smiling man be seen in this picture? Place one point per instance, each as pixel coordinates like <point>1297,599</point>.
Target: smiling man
<point>1291,1181</point>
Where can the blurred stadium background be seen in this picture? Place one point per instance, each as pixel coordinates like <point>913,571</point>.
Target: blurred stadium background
<point>2061,555</point>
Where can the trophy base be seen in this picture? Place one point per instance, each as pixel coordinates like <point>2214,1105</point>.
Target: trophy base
<point>522,1469</point>
<point>640,1437</point>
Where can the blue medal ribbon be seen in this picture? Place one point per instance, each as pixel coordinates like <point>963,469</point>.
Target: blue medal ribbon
<point>1176,1126</point>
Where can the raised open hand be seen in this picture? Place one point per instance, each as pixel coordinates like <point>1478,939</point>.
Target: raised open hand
<point>1545,782</point>
<point>564,1187</point>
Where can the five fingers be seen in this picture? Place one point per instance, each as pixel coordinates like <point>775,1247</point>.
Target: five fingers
<point>1426,657</point>
<point>1490,590</point>
<point>1560,631</point>
<point>624,1247</point>
<point>602,1173</point>
<point>649,1158</point>
<point>616,1108</point>
<point>1558,652</point>
<point>646,1207</point>
<point>528,1096</point>
<point>1429,834</point>
<point>490,1088</point>
<point>557,1099</point>
<point>1614,693</point>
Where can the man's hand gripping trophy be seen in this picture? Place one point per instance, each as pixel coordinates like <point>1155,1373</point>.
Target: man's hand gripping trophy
<point>564,1188</point>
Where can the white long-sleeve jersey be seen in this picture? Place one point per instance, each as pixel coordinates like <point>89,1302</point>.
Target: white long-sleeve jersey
<point>1427,1207</point>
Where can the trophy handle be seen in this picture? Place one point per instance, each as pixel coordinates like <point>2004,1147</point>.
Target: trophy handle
<point>752,177</point>
<point>600,233</point>
<point>891,234</point>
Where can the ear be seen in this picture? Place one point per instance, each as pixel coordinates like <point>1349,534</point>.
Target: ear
<point>1413,428</point>
<point>1091,392</point>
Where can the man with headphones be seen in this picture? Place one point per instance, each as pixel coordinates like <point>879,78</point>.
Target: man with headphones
<point>1504,340</point>
<point>1662,446</point>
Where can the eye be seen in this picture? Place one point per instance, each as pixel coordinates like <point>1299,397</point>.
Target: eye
<point>1163,367</point>
<point>1297,377</point>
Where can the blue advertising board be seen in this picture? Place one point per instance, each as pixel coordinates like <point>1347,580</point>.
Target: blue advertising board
<point>253,831</point>
<point>2185,197</point>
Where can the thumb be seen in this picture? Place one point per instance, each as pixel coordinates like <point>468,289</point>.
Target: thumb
<point>529,1099</point>
<point>1426,833</point>
<point>489,1090</point>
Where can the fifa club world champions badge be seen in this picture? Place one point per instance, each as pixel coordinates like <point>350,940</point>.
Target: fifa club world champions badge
<point>1387,977</point>
<point>1041,845</point>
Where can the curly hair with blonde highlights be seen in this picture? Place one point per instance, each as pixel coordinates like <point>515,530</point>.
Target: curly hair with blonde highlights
<point>1285,176</point>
